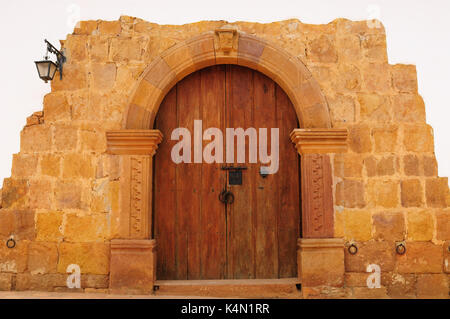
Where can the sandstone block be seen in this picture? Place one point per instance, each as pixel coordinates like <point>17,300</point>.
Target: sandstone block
<point>93,258</point>
<point>15,193</point>
<point>376,78</point>
<point>86,27</point>
<point>87,228</point>
<point>42,258</point>
<point>347,165</point>
<point>78,165</point>
<point>348,48</point>
<point>432,286</point>
<point>356,279</point>
<point>349,79</point>
<point>436,191</point>
<point>50,165</point>
<point>48,226</point>
<point>7,223</point>
<point>359,139</point>
<point>386,166</point>
<point>385,139</point>
<point>66,138</point>
<point>443,225</point>
<point>75,48</point>
<point>46,282</point>
<point>5,282</point>
<point>342,109</point>
<point>408,108</point>
<point>36,138</point>
<point>412,193</point>
<point>358,225</point>
<point>103,76</point>
<point>383,193</point>
<point>399,285</point>
<point>404,77</point>
<point>93,140</point>
<point>75,78</point>
<point>110,27</point>
<point>420,257</point>
<point>94,281</point>
<point>24,165</point>
<point>374,107</point>
<point>429,166</point>
<point>374,47</point>
<point>420,226</point>
<point>125,49</point>
<point>41,194</point>
<point>14,260</point>
<point>98,48</point>
<point>350,193</point>
<point>56,107</point>
<point>411,165</point>
<point>418,138</point>
<point>389,226</point>
<point>371,252</point>
<point>322,49</point>
<point>68,195</point>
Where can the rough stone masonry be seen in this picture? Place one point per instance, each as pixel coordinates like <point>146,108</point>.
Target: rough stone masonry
<point>61,203</point>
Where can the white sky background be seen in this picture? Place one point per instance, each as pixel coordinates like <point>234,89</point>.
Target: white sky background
<point>417,33</point>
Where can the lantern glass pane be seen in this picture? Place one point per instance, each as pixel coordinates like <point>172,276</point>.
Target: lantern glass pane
<point>43,68</point>
<point>52,70</point>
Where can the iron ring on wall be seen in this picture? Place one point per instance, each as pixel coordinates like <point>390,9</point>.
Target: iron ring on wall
<point>10,243</point>
<point>400,248</point>
<point>352,249</point>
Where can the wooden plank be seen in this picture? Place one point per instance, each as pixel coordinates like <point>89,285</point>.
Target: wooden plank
<point>289,199</point>
<point>213,223</point>
<point>165,190</point>
<point>241,244</point>
<point>189,181</point>
<point>266,191</point>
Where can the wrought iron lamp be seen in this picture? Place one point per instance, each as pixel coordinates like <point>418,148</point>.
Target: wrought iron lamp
<point>47,68</point>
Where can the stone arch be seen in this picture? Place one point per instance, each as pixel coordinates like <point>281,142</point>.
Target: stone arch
<point>226,46</point>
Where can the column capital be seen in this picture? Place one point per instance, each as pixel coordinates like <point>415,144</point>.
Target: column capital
<point>320,141</point>
<point>133,142</point>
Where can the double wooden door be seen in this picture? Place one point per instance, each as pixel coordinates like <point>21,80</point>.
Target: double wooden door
<point>200,237</point>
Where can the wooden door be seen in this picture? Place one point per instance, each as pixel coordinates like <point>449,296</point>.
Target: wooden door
<point>198,236</point>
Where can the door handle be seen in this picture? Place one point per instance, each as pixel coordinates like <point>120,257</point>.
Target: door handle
<point>226,197</point>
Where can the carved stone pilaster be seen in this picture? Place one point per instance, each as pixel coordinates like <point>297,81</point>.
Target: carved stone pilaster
<point>316,177</point>
<point>320,141</point>
<point>136,148</point>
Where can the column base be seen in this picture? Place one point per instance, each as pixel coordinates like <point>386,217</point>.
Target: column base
<point>133,266</point>
<point>321,262</point>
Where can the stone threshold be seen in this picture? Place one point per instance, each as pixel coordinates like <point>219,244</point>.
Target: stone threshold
<point>231,288</point>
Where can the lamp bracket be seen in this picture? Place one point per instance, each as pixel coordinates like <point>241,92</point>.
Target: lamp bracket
<point>61,59</point>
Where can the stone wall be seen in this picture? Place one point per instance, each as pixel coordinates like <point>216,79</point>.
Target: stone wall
<point>61,204</point>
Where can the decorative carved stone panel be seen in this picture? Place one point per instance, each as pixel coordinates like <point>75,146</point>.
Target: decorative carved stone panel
<point>317,196</point>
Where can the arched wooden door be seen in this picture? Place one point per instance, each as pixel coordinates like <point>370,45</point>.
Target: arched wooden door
<point>200,237</point>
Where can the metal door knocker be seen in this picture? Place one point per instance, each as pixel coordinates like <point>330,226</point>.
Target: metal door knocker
<point>226,197</point>
<point>400,248</point>
<point>10,243</point>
